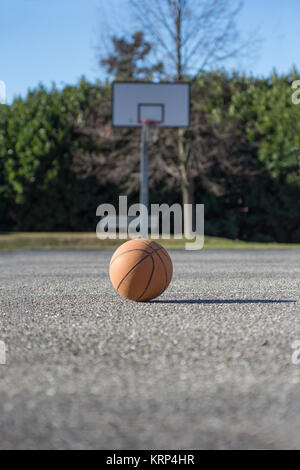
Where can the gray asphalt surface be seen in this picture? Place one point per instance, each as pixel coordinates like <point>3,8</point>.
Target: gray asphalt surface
<point>207,365</point>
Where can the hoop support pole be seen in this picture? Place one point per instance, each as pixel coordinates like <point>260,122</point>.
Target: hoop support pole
<point>144,182</point>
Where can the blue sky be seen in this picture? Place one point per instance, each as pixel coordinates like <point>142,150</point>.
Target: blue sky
<point>55,40</point>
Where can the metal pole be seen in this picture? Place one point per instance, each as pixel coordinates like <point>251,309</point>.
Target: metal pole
<point>144,185</point>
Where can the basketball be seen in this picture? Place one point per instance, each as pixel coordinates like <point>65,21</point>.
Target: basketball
<point>140,270</point>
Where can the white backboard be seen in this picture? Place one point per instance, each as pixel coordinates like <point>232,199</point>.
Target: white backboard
<point>136,101</point>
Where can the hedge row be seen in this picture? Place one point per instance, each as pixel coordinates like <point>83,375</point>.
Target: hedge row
<point>60,158</point>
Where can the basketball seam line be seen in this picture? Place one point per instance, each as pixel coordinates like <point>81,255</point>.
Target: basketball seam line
<point>129,251</point>
<point>145,257</point>
<point>139,262</point>
<point>165,253</point>
<point>166,274</point>
<point>150,279</point>
<point>136,249</point>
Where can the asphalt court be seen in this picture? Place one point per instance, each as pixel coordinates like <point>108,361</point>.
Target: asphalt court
<point>206,365</point>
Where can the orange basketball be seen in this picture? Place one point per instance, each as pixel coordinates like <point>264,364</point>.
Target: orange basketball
<point>140,269</point>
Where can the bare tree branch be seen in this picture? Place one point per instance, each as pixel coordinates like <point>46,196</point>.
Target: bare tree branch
<point>207,36</point>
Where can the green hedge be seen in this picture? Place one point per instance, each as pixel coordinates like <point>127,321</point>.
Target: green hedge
<point>59,158</point>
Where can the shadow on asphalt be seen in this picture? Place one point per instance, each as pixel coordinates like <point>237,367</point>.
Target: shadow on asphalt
<point>221,301</point>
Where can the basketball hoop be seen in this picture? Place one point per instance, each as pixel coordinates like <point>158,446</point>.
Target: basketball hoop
<point>149,122</point>
<point>152,129</point>
<point>149,106</point>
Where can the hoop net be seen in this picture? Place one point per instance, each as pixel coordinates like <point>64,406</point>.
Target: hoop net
<point>152,129</point>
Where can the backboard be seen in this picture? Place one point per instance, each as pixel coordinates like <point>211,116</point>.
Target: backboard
<point>134,102</point>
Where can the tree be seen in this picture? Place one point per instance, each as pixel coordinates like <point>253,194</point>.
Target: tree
<point>189,36</point>
<point>192,35</point>
<point>127,61</point>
